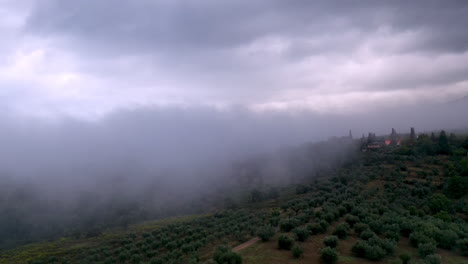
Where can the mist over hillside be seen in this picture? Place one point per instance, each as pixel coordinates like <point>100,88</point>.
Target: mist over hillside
<point>149,163</point>
<point>115,112</point>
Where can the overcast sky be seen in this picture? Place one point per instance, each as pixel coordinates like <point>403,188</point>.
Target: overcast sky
<point>87,58</point>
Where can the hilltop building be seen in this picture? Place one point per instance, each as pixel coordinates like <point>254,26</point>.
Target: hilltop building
<point>374,142</point>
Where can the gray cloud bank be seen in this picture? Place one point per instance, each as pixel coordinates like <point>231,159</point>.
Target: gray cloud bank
<point>184,140</point>
<point>91,57</point>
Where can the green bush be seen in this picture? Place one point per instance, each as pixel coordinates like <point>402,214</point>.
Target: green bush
<point>223,255</point>
<point>315,228</point>
<point>285,242</point>
<point>124,256</point>
<point>462,246</point>
<point>359,227</point>
<point>301,234</point>
<point>351,219</point>
<point>331,241</point>
<point>360,248</point>
<point>375,249</point>
<point>329,255</point>
<point>405,258</point>
<point>375,253</point>
<point>341,231</point>
<point>266,232</point>
<point>274,221</point>
<point>288,224</point>
<point>297,251</point>
<point>425,249</point>
<point>433,259</point>
<point>419,237</point>
<point>395,236</point>
<point>446,239</point>
<point>386,244</point>
<point>439,202</point>
<point>136,259</point>
<point>367,234</point>
<point>324,225</point>
<point>457,187</point>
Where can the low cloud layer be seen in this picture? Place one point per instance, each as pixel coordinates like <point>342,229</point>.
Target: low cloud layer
<point>185,141</point>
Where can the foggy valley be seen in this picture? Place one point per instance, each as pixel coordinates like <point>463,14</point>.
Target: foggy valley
<point>233,132</point>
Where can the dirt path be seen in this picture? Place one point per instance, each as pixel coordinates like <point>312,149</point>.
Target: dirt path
<point>246,244</point>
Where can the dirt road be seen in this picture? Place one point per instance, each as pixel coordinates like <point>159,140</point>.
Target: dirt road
<point>246,244</point>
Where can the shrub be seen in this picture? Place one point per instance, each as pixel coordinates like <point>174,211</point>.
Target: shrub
<point>360,248</point>
<point>223,255</point>
<point>375,253</point>
<point>124,256</point>
<point>447,239</point>
<point>405,258</point>
<point>457,187</point>
<point>359,227</point>
<point>376,226</point>
<point>374,249</point>
<point>351,220</point>
<point>266,232</point>
<point>274,221</point>
<point>187,248</point>
<point>329,217</point>
<point>425,249</point>
<point>395,236</point>
<point>136,259</point>
<point>341,231</point>
<point>330,241</point>
<point>157,261</point>
<point>433,259</point>
<point>462,246</point>
<point>342,210</point>
<point>418,237</point>
<point>407,227</point>
<point>285,242</point>
<point>315,228</point>
<point>301,234</point>
<point>439,202</point>
<point>367,234</point>
<point>288,224</point>
<point>387,245</point>
<point>324,225</point>
<point>328,255</point>
<point>444,216</point>
<point>297,251</point>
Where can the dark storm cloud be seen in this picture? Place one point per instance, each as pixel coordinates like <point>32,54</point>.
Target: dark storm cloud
<point>146,26</point>
<point>96,56</point>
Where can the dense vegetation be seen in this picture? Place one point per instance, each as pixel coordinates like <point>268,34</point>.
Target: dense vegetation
<point>401,204</point>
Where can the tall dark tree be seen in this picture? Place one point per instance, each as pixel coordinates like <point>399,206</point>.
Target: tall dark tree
<point>444,147</point>
<point>394,137</point>
<point>412,135</point>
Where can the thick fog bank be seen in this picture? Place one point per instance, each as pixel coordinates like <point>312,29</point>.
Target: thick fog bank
<point>69,174</point>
